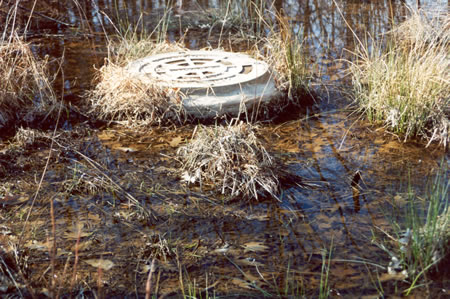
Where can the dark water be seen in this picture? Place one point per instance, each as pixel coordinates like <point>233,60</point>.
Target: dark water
<point>76,29</point>
<point>239,248</point>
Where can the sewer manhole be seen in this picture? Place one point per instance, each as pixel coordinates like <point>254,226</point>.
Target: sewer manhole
<point>211,82</point>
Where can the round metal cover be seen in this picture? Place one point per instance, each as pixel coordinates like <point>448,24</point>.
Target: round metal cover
<point>212,82</point>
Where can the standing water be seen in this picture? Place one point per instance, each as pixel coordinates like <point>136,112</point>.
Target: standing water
<point>112,220</point>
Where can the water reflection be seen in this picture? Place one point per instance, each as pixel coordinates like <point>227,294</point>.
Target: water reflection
<point>357,170</point>
<point>76,28</point>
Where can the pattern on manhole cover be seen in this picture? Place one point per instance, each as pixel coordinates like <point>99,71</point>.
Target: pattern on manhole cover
<point>196,69</point>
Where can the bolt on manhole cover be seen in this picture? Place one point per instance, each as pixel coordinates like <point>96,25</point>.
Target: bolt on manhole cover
<point>213,82</point>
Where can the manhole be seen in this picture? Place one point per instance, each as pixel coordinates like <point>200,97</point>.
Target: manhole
<point>212,82</point>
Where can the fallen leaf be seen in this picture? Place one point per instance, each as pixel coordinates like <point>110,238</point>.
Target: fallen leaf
<point>82,246</point>
<point>334,77</point>
<point>176,141</point>
<point>100,263</point>
<point>255,247</point>
<point>73,235</point>
<point>248,262</point>
<point>241,283</point>
<point>94,217</point>
<point>37,245</point>
<point>251,278</point>
<point>11,200</point>
<point>393,276</point>
<point>126,149</point>
<point>400,200</point>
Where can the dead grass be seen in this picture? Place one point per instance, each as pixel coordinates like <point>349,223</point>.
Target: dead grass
<point>421,28</point>
<point>283,51</point>
<point>121,97</point>
<point>406,85</point>
<point>230,160</point>
<point>25,87</point>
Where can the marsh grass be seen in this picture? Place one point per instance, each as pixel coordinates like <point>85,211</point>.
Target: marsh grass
<point>324,287</point>
<point>421,28</point>
<point>122,97</point>
<point>272,38</point>
<point>426,240</point>
<point>283,50</point>
<point>230,160</point>
<point>25,87</point>
<point>403,80</point>
<point>422,238</point>
<point>247,19</point>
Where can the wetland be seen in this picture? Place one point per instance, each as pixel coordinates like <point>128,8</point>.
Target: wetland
<point>97,209</point>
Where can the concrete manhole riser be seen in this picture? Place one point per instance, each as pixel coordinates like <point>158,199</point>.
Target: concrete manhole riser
<point>212,82</point>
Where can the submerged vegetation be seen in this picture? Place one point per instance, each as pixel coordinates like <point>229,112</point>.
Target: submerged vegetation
<point>421,243</point>
<point>148,208</point>
<point>403,82</point>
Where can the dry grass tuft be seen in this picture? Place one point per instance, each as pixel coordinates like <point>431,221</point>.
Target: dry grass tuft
<point>124,98</point>
<point>407,86</point>
<point>230,160</point>
<point>422,29</point>
<point>25,88</point>
<point>121,97</point>
<point>283,51</point>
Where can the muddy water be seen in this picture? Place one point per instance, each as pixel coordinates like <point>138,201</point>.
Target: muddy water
<point>98,177</point>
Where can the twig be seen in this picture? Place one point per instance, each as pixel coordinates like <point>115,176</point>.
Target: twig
<point>75,263</point>
<point>44,16</point>
<point>99,283</point>
<point>53,249</point>
<point>148,285</point>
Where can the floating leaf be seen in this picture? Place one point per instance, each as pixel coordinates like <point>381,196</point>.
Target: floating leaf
<point>248,262</point>
<point>393,276</point>
<point>82,246</point>
<point>241,283</point>
<point>11,200</point>
<point>100,263</point>
<point>126,149</point>
<point>37,245</point>
<point>73,235</point>
<point>255,247</point>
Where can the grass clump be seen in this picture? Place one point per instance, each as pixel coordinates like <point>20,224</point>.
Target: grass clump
<point>422,239</point>
<point>271,37</point>
<point>25,87</point>
<point>406,85</point>
<point>120,96</point>
<point>283,50</point>
<point>422,29</point>
<point>230,160</point>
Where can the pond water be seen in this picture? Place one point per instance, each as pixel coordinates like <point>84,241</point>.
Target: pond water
<point>233,249</point>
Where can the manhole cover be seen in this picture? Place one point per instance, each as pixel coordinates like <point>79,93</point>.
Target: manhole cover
<point>213,82</point>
